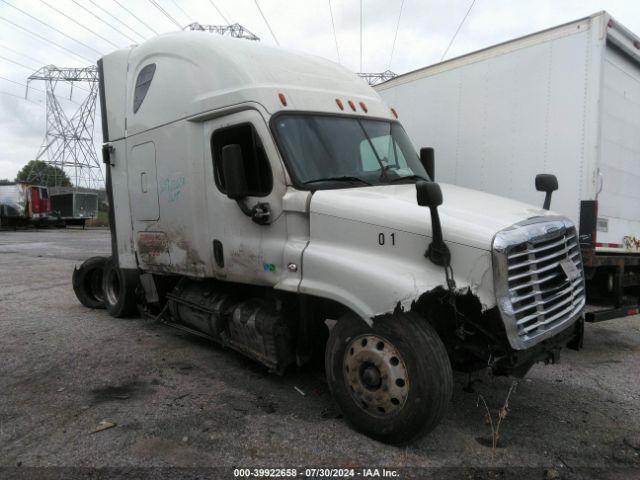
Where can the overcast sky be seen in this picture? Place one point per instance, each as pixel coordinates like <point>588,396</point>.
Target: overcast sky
<point>426,27</point>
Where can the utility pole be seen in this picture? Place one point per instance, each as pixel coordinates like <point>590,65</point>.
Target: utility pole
<point>68,142</point>
<point>375,78</point>
<point>235,30</point>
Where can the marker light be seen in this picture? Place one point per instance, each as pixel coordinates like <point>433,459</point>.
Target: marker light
<point>352,105</point>
<point>364,107</point>
<point>283,99</point>
<point>393,110</point>
<point>340,104</point>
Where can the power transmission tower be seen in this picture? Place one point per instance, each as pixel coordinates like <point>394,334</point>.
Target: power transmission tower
<point>235,30</point>
<point>68,142</point>
<point>375,78</point>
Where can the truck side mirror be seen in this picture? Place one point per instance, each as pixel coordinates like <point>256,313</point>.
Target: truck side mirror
<point>429,195</point>
<point>548,183</point>
<point>235,181</point>
<point>428,161</point>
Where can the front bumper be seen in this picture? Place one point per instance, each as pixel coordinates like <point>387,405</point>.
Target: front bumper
<point>518,362</point>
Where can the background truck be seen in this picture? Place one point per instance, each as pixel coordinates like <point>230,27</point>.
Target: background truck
<point>74,205</point>
<point>564,101</point>
<point>273,204</point>
<point>24,204</point>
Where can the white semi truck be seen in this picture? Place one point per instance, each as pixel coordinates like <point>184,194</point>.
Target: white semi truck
<point>564,101</point>
<point>271,202</point>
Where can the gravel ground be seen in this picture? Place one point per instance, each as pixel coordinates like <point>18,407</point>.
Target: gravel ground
<point>178,401</point>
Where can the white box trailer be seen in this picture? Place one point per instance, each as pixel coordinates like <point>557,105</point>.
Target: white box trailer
<point>564,101</point>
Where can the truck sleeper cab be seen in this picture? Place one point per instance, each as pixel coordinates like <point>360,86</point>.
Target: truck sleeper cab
<point>268,200</point>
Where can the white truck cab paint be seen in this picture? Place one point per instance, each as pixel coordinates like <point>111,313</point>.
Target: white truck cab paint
<point>257,193</point>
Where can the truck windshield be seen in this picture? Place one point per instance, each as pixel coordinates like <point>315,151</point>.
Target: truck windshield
<point>323,151</point>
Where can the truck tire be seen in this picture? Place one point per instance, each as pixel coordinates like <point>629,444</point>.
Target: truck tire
<point>119,288</point>
<point>393,381</point>
<point>87,282</point>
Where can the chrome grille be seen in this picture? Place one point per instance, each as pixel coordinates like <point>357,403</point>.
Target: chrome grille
<point>536,297</point>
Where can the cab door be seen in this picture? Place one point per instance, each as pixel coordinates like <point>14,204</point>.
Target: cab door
<point>143,182</point>
<point>241,249</point>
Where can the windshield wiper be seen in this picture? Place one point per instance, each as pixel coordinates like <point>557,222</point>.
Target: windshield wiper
<point>344,178</point>
<point>407,177</point>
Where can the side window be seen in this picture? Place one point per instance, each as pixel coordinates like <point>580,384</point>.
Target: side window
<point>142,85</point>
<point>256,164</point>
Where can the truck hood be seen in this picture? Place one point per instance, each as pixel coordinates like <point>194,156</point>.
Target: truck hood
<point>468,217</point>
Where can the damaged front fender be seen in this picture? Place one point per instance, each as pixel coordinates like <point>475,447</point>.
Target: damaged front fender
<point>375,279</point>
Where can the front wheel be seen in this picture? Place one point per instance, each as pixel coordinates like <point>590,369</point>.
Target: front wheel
<point>392,381</point>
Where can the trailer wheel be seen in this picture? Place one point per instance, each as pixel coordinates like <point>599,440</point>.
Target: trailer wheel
<point>87,282</point>
<point>119,290</point>
<point>393,382</point>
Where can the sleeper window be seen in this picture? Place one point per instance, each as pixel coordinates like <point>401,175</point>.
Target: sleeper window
<point>142,85</point>
<point>256,165</point>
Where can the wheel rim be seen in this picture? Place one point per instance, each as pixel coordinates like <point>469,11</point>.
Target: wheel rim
<point>376,375</point>
<point>113,287</point>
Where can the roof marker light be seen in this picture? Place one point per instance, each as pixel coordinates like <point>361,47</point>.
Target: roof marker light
<point>283,99</point>
<point>363,106</point>
<point>340,104</point>
<point>352,105</point>
<point>393,110</point>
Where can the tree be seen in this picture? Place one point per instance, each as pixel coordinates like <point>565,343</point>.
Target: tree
<point>5,181</point>
<point>38,172</point>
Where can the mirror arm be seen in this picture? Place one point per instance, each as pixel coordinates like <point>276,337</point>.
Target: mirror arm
<point>437,252</point>
<point>547,201</point>
<point>260,213</point>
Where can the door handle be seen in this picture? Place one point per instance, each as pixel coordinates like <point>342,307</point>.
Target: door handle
<point>143,182</point>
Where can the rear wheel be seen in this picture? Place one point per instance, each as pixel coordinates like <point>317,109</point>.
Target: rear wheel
<point>392,381</point>
<point>87,282</point>
<point>119,288</point>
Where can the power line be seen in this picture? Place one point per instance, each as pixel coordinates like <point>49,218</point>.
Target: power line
<point>21,84</point>
<point>21,98</point>
<point>182,10</point>
<point>220,12</point>
<point>106,23</point>
<point>361,35</point>
<point>267,22</point>
<point>78,23</point>
<point>47,40</point>
<point>395,37</point>
<point>333,27</point>
<point>34,88</point>
<point>117,19</point>
<point>30,69</point>
<point>458,29</point>
<point>39,62</point>
<point>165,13</point>
<point>52,28</point>
<point>136,17</point>
<point>16,63</point>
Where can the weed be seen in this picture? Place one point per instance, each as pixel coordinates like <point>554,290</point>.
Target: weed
<point>501,415</point>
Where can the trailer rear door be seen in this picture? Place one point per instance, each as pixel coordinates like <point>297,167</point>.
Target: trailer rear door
<point>619,198</point>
